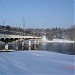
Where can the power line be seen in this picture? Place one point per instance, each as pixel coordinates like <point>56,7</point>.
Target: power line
<point>13,14</point>
<point>8,10</point>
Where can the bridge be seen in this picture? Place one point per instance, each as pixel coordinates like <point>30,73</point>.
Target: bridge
<point>18,38</point>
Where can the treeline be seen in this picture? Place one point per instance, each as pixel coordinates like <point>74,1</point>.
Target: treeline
<point>68,33</point>
<point>51,33</point>
<point>11,30</point>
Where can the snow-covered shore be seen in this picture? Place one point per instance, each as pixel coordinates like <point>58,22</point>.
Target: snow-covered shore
<point>62,41</point>
<point>36,63</point>
<point>57,40</point>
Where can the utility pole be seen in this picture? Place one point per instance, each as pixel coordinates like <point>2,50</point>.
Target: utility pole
<point>4,24</point>
<point>4,27</point>
<point>23,26</point>
<point>6,42</point>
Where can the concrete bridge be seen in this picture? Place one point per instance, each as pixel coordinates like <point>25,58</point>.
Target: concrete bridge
<point>18,38</point>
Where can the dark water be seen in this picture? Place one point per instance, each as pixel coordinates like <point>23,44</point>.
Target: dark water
<point>65,48</point>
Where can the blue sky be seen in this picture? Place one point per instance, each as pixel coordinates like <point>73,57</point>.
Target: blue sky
<point>37,13</point>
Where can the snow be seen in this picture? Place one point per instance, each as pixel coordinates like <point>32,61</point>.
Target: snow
<point>62,41</point>
<point>44,39</point>
<point>36,63</point>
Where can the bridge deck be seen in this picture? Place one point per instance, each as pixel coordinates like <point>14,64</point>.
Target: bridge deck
<point>18,36</point>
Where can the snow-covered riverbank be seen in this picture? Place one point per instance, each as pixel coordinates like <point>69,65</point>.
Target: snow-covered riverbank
<point>36,62</point>
<point>57,40</point>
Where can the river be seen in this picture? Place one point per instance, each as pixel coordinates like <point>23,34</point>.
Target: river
<point>65,48</point>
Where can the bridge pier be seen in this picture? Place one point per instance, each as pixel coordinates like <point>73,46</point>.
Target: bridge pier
<point>38,41</point>
<point>35,42</point>
<point>19,44</point>
<point>16,44</point>
<point>29,44</point>
<point>6,46</point>
<point>22,44</point>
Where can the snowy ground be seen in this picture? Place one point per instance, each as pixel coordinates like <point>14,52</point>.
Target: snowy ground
<point>36,63</point>
<point>44,39</point>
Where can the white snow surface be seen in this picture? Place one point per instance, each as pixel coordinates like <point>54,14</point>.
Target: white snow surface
<point>44,39</point>
<point>36,63</point>
<point>62,41</point>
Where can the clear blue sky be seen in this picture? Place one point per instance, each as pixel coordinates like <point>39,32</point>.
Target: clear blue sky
<point>37,13</point>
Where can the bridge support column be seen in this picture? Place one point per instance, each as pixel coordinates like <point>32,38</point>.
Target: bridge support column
<point>6,46</point>
<point>35,43</point>
<point>38,41</point>
<point>29,44</point>
<point>22,44</point>
<point>16,44</point>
